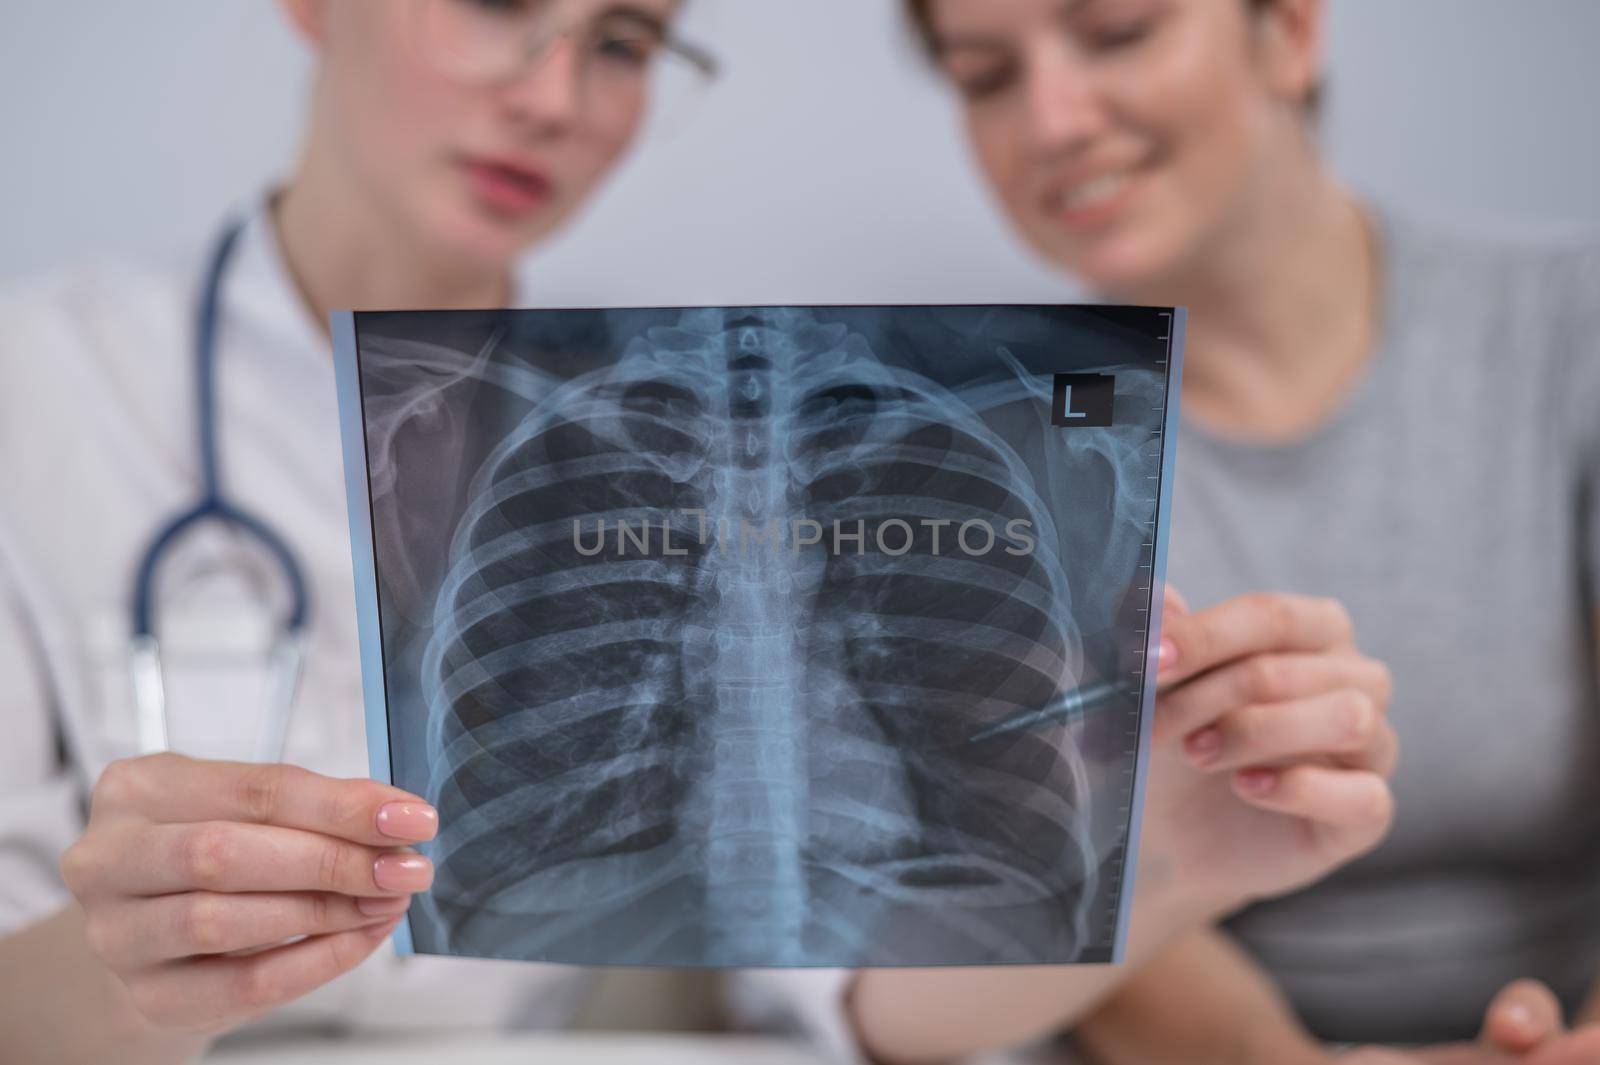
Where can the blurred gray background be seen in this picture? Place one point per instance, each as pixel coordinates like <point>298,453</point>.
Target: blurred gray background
<point>827,167</point>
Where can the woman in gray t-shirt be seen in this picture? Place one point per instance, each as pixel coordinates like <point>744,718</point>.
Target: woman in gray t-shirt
<point>1405,420</point>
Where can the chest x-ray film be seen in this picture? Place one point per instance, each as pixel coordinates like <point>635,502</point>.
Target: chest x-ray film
<point>764,636</point>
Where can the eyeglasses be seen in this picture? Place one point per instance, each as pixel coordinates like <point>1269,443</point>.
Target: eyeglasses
<point>624,55</point>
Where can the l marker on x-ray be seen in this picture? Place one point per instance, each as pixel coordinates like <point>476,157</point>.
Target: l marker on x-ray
<point>758,636</point>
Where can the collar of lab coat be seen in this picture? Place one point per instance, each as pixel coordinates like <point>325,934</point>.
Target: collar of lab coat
<point>261,292</point>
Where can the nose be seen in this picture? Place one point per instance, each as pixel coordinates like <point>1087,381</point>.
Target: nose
<point>1065,108</point>
<point>548,97</point>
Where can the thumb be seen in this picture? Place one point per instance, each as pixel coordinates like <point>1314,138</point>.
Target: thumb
<point>1173,605</point>
<point>1522,1016</point>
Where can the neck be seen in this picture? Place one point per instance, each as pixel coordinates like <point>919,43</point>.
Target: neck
<point>1283,312</point>
<point>343,254</point>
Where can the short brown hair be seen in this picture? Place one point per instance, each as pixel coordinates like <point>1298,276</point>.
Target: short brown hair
<point>921,16</point>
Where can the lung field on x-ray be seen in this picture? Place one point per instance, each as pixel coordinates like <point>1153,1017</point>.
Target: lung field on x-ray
<point>718,619</point>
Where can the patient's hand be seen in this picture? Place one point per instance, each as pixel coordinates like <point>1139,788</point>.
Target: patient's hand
<point>1271,752</point>
<point>1522,1026</point>
<point>1278,682</point>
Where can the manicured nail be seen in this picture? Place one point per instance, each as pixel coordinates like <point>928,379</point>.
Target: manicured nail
<point>402,872</point>
<point>1204,746</point>
<point>1167,656</point>
<point>385,907</point>
<point>382,930</point>
<point>408,820</point>
<point>1257,782</point>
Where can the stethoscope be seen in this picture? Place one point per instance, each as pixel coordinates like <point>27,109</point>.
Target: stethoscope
<point>288,650</point>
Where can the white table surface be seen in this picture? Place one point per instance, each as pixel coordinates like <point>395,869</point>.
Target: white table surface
<point>555,1049</point>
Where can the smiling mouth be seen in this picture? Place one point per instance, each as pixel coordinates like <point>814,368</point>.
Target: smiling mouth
<point>1093,200</point>
<point>1094,193</point>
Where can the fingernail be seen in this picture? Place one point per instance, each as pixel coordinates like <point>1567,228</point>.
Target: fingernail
<point>386,907</point>
<point>1204,746</point>
<point>1257,781</point>
<point>1167,656</point>
<point>402,872</point>
<point>382,930</point>
<point>1518,1015</point>
<point>408,820</point>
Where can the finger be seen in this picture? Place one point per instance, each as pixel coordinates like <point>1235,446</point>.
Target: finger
<point>1344,726</point>
<point>1375,1055</point>
<point>1267,678</point>
<point>1251,624</point>
<point>1523,1015</point>
<point>1173,605</point>
<point>1347,810</point>
<point>140,932</point>
<point>1459,1054</point>
<point>228,857</point>
<point>211,994</point>
<point>1581,1047</point>
<point>171,788</point>
<point>1383,756</point>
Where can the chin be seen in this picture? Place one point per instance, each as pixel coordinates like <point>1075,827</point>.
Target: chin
<point>478,239</point>
<point>1105,266</point>
<point>1129,262</point>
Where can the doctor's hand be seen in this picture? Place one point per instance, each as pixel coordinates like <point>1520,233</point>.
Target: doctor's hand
<point>194,877</point>
<point>1271,751</point>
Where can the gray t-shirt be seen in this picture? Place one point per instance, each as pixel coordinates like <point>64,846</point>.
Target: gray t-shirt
<point>1453,504</point>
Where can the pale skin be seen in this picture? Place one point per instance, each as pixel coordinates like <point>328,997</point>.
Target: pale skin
<point>1197,109</point>
<point>192,876</point>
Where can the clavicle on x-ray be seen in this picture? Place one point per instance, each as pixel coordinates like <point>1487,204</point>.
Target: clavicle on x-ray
<point>764,636</point>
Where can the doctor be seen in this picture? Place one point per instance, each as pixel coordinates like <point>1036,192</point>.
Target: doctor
<point>446,137</point>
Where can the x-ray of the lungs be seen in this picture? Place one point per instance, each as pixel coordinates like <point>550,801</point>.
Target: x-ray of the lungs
<point>764,636</point>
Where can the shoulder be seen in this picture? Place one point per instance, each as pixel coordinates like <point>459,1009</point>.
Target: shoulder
<point>1500,270</point>
<point>93,312</point>
<point>101,331</point>
<point>93,360</point>
<point>1497,301</point>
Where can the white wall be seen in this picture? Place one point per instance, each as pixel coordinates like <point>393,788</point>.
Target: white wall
<point>826,168</point>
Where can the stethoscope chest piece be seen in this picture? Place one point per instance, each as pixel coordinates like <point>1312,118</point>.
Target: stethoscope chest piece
<point>287,655</point>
